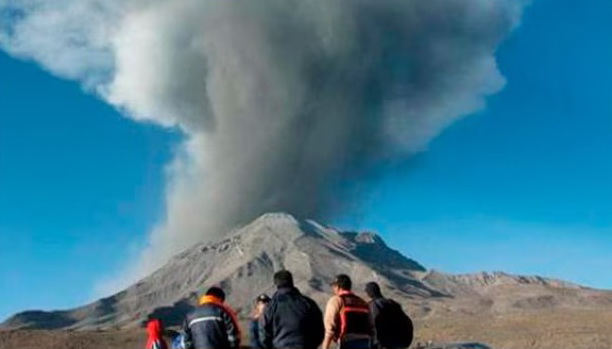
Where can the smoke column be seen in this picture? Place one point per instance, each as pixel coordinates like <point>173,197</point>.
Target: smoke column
<point>280,101</point>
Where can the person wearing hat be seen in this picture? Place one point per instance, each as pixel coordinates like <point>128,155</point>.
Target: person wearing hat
<point>347,318</point>
<point>394,329</point>
<point>290,320</point>
<point>260,304</point>
<point>213,325</point>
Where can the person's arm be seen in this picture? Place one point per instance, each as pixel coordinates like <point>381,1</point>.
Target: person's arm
<point>231,328</point>
<point>374,312</point>
<point>327,341</point>
<point>331,323</point>
<point>187,339</point>
<point>318,327</point>
<point>265,327</point>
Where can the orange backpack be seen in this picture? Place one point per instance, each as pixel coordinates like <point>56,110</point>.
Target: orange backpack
<point>354,316</point>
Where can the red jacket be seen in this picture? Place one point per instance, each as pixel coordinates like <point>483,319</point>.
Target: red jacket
<point>155,339</point>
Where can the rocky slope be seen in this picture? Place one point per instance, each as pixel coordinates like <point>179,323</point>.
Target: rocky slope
<point>244,261</point>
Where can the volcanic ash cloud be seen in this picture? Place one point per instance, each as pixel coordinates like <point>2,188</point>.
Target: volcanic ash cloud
<point>281,101</point>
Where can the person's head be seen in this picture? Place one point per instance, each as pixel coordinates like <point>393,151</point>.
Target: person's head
<point>283,279</point>
<point>262,299</point>
<point>154,326</point>
<point>341,283</point>
<point>261,302</point>
<point>150,321</point>
<point>373,290</point>
<point>216,292</point>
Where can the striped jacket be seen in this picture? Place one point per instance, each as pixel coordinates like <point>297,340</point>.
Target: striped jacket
<point>213,325</point>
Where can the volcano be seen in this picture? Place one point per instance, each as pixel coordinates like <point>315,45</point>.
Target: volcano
<point>243,263</point>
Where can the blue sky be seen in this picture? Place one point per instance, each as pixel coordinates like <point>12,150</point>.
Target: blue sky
<point>525,186</point>
<point>78,185</point>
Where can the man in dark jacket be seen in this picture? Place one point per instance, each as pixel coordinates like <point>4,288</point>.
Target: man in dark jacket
<point>213,325</point>
<point>394,329</point>
<point>291,320</point>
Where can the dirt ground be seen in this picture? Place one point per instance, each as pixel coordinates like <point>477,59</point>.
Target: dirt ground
<point>133,339</point>
<point>551,330</point>
<point>541,330</point>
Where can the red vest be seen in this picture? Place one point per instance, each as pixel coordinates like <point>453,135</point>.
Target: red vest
<point>354,316</point>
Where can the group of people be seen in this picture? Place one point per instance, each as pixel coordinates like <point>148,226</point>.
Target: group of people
<point>290,319</point>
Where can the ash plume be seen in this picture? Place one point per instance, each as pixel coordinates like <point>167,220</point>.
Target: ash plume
<point>281,101</point>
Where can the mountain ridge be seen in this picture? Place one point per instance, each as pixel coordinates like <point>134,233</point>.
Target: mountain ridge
<point>244,261</point>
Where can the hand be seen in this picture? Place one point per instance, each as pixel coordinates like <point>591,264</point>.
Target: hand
<point>327,342</point>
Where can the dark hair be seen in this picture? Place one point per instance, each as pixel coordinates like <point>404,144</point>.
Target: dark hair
<point>216,292</point>
<point>343,282</point>
<point>283,279</point>
<point>263,298</point>
<point>373,290</point>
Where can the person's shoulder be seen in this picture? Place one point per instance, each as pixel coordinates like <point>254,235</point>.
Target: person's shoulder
<point>211,308</point>
<point>227,308</point>
<point>309,300</point>
<point>270,309</point>
<point>383,302</point>
<point>394,305</point>
<point>274,300</point>
<point>334,300</point>
<point>351,295</point>
<point>195,312</point>
<point>359,297</point>
<point>380,303</point>
<point>392,302</point>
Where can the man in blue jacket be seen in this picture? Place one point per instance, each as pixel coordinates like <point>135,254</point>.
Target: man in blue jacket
<point>291,320</point>
<point>212,325</point>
